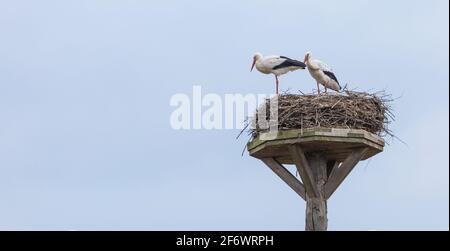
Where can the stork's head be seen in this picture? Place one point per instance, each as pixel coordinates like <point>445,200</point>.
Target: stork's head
<point>307,57</point>
<point>256,57</point>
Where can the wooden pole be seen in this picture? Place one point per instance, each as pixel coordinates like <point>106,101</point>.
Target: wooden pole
<point>323,157</point>
<point>313,171</point>
<point>316,206</point>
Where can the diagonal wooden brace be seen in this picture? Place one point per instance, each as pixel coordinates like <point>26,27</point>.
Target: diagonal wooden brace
<point>338,175</point>
<point>286,176</point>
<point>300,161</point>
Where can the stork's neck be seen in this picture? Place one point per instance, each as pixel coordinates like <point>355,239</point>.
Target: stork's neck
<point>261,67</point>
<point>311,64</point>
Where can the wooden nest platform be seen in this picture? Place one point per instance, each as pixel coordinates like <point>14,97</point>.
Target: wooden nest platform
<point>335,143</point>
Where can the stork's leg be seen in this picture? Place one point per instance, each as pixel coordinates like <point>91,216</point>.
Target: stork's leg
<point>325,89</point>
<point>318,89</point>
<point>276,79</point>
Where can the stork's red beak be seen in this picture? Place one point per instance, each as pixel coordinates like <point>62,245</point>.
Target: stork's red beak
<point>253,65</point>
<point>305,60</point>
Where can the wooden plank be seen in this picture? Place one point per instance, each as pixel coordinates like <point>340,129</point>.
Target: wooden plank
<point>286,176</point>
<point>338,176</point>
<point>300,161</point>
<point>324,133</point>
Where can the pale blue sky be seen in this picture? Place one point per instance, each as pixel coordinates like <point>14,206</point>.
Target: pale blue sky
<point>85,139</point>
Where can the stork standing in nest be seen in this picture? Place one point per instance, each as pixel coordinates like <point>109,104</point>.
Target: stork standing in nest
<point>322,73</point>
<point>277,65</point>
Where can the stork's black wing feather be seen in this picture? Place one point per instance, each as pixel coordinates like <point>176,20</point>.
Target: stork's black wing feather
<point>290,62</point>
<point>332,76</point>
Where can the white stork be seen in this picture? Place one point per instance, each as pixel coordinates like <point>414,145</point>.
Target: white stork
<point>322,73</point>
<point>277,65</point>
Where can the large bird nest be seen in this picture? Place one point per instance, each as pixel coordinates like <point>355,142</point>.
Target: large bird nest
<point>348,109</point>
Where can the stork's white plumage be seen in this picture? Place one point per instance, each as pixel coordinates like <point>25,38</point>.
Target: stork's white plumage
<point>322,73</point>
<point>277,65</point>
